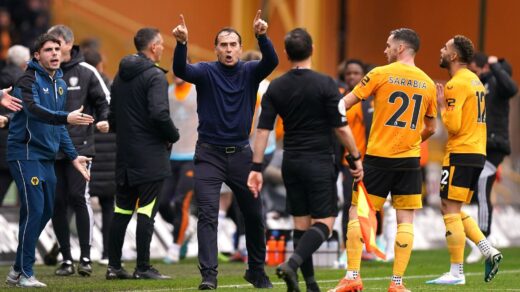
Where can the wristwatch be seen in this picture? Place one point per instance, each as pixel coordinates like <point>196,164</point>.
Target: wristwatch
<point>350,156</point>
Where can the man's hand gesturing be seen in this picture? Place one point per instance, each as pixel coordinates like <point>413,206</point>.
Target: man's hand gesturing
<point>78,118</point>
<point>10,102</point>
<point>259,25</point>
<point>180,32</point>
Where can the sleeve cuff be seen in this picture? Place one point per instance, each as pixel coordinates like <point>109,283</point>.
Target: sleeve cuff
<point>73,156</point>
<point>262,38</point>
<point>62,118</point>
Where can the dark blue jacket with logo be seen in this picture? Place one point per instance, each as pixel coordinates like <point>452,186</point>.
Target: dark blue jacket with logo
<point>38,131</point>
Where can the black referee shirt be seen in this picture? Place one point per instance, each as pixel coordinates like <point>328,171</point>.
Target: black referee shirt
<point>307,101</point>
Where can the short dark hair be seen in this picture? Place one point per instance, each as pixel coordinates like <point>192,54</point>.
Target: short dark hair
<point>90,44</point>
<point>228,30</point>
<point>464,48</point>
<point>480,59</point>
<point>298,44</point>
<point>42,39</point>
<point>342,68</point>
<point>407,35</point>
<point>92,57</point>
<point>144,37</point>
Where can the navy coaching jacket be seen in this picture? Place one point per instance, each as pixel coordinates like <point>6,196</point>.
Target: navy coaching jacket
<point>38,131</point>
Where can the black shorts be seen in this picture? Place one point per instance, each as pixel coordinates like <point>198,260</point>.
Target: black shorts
<point>401,178</point>
<point>458,182</point>
<point>310,181</point>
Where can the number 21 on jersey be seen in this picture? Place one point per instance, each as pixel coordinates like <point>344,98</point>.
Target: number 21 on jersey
<point>394,120</point>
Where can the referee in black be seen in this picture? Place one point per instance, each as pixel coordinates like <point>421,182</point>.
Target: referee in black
<point>308,104</point>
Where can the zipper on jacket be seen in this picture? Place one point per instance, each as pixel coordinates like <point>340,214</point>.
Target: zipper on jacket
<point>55,100</point>
<point>30,136</point>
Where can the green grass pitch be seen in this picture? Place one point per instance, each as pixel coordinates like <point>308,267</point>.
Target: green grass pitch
<point>424,265</point>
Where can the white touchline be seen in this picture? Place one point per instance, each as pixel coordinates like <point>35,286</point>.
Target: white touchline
<point>249,286</point>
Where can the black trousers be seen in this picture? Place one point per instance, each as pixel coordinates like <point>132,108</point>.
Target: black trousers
<point>175,199</point>
<point>142,197</point>
<point>234,210</point>
<point>107,213</point>
<point>213,166</point>
<point>5,182</point>
<point>71,191</point>
<point>483,190</point>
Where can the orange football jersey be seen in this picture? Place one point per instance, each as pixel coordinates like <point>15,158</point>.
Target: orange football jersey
<point>403,96</point>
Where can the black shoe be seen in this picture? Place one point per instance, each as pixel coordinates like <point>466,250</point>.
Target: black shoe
<point>65,269</point>
<point>258,278</point>
<point>208,284</point>
<point>113,273</point>
<point>85,267</point>
<point>289,276</point>
<point>313,287</point>
<point>51,258</point>
<point>150,273</point>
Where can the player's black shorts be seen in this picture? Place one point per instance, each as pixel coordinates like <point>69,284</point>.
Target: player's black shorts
<point>310,181</point>
<point>460,172</point>
<point>401,177</point>
<point>458,182</point>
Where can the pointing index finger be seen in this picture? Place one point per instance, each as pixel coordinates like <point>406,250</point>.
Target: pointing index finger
<point>183,23</point>
<point>258,14</point>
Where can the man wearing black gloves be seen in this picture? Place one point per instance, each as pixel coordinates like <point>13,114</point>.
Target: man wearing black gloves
<point>226,92</point>
<point>140,115</point>
<point>495,74</point>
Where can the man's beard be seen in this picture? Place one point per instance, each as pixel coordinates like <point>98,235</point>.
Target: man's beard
<point>444,63</point>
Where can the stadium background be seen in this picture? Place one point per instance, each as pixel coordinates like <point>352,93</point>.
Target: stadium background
<point>341,29</point>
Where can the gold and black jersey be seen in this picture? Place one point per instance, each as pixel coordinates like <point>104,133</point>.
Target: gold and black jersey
<point>403,96</point>
<point>465,119</point>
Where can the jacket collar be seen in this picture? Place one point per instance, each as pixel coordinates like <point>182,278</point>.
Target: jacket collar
<point>33,64</point>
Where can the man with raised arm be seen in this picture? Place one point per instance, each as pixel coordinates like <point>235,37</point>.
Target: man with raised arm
<point>226,91</point>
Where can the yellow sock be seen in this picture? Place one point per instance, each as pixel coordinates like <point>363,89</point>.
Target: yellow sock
<point>354,245</point>
<point>471,228</point>
<point>402,248</point>
<point>455,237</point>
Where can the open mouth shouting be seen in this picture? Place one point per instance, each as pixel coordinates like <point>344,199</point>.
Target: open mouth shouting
<point>55,62</point>
<point>228,59</point>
